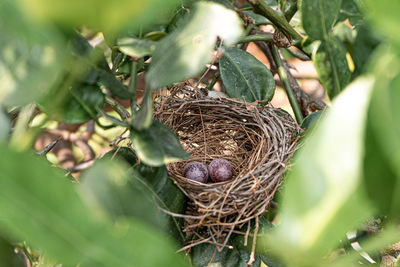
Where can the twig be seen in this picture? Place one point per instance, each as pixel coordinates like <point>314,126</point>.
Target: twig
<point>253,248</point>
<point>286,84</point>
<point>49,147</point>
<point>81,166</point>
<point>122,112</point>
<point>266,37</point>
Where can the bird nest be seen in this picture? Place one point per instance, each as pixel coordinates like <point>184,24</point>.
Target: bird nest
<point>257,140</point>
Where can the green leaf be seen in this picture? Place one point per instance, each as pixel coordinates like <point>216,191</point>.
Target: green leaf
<point>185,52</point>
<point>5,126</point>
<point>104,15</point>
<point>136,47</point>
<point>144,117</point>
<point>318,17</point>
<point>384,118</point>
<point>204,254</point>
<point>108,79</point>
<point>156,151</point>
<point>384,17</point>
<point>117,192</point>
<point>311,120</point>
<point>350,10</point>
<point>8,257</point>
<point>39,205</point>
<point>124,153</point>
<point>332,67</point>
<point>31,58</point>
<point>244,76</point>
<point>79,105</point>
<point>323,197</point>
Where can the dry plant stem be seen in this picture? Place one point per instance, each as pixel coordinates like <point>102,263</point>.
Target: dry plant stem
<point>286,84</point>
<point>253,248</point>
<point>267,52</point>
<point>258,141</point>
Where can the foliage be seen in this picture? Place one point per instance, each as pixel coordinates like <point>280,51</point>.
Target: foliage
<point>73,60</point>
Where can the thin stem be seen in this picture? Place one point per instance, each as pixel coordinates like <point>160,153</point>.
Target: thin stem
<point>277,19</point>
<point>214,81</point>
<point>122,112</point>
<point>256,38</point>
<point>286,83</point>
<point>132,86</point>
<point>298,54</point>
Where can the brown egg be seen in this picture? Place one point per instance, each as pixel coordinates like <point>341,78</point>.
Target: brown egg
<point>220,170</point>
<point>196,171</point>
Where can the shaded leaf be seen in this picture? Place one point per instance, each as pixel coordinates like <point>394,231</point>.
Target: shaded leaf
<point>332,67</point>
<point>124,153</point>
<point>79,105</point>
<point>323,197</point>
<point>184,53</point>
<point>136,47</point>
<point>55,219</point>
<point>8,257</point>
<point>205,254</point>
<point>244,76</point>
<point>144,117</point>
<point>156,151</point>
<point>318,17</point>
<point>311,120</point>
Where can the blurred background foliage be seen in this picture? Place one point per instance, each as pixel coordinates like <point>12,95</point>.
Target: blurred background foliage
<point>73,69</point>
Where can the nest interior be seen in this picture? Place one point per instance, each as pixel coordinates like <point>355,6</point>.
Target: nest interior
<point>258,142</point>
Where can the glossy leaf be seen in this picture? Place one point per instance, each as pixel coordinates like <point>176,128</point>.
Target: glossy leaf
<point>5,126</point>
<point>136,47</point>
<point>332,67</point>
<point>55,219</point>
<point>244,76</point>
<point>156,151</point>
<point>31,58</point>
<point>103,15</point>
<point>318,17</point>
<point>185,52</point>
<point>323,197</point>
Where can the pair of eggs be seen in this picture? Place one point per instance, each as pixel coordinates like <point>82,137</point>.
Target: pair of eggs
<point>219,170</point>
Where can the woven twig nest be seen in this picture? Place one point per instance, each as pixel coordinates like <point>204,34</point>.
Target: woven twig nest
<point>258,142</point>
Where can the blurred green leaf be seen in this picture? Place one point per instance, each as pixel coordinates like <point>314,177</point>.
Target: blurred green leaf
<point>31,57</point>
<point>323,197</point>
<point>244,76</point>
<point>39,205</point>
<point>318,17</point>
<point>184,53</point>
<point>5,126</point>
<point>103,15</point>
<point>332,67</point>
<point>384,17</point>
<point>79,104</point>
<point>384,119</point>
<point>136,47</point>
<point>258,19</point>
<point>156,151</point>
<point>350,10</point>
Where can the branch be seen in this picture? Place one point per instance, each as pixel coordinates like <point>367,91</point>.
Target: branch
<point>286,84</point>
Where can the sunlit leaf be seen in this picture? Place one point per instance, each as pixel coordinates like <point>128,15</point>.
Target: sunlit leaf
<point>135,47</point>
<point>184,53</point>
<point>39,205</point>
<point>244,76</point>
<point>98,14</point>
<point>322,198</point>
